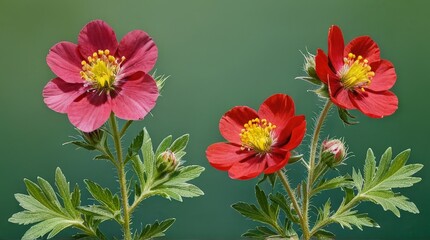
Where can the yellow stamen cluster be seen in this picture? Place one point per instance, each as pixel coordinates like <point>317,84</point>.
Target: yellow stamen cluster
<point>356,72</point>
<point>100,69</point>
<point>257,135</point>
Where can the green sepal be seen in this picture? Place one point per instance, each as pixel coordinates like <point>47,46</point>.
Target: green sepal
<point>345,116</point>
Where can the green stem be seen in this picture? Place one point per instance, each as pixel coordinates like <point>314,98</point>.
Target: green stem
<point>121,176</point>
<point>314,145</point>
<point>293,198</point>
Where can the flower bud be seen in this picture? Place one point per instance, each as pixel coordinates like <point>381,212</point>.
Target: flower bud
<point>93,138</point>
<point>333,152</point>
<point>309,65</point>
<point>167,162</point>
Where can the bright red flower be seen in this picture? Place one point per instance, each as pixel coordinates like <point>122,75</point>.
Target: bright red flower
<point>99,75</point>
<point>257,141</point>
<point>356,76</point>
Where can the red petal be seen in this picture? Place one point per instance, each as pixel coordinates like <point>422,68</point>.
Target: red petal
<point>232,122</point>
<point>276,162</point>
<point>335,47</point>
<point>135,97</point>
<point>90,111</point>
<point>277,109</point>
<point>247,169</point>
<point>96,35</point>
<point>293,134</point>
<point>223,155</point>
<point>363,46</point>
<point>385,76</point>
<point>376,104</point>
<point>65,61</point>
<point>58,94</point>
<point>339,95</point>
<point>140,52</point>
<point>322,67</point>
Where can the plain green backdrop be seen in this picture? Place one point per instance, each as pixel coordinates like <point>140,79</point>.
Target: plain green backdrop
<point>219,54</point>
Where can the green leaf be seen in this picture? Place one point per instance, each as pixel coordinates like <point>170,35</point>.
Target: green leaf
<point>260,232</point>
<point>135,146</point>
<point>43,209</point>
<point>104,196</point>
<point>186,173</point>
<point>281,200</point>
<point>337,182</point>
<point>369,168</point>
<point>148,155</point>
<point>164,145</point>
<point>345,116</point>
<point>324,234</point>
<point>180,143</point>
<point>352,218</point>
<point>262,200</point>
<point>156,230</point>
<point>252,212</point>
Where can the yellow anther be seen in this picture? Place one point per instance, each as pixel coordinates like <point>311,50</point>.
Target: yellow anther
<point>107,52</point>
<point>356,73</point>
<point>122,58</point>
<point>100,52</point>
<point>257,135</point>
<point>83,63</point>
<point>95,54</point>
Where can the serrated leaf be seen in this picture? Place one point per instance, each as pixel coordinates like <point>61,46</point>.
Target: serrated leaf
<point>76,196</point>
<point>180,143</point>
<point>281,201</point>
<point>369,168</point>
<point>157,229</point>
<point>35,191</point>
<point>103,196</point>
<point>97,211</point>
<point>324,234</point>
<point>262,200</point>
<point>184,174</point>
<point>337,182</point>
<point>64,191</point>
<point>260,232</point>
<point>46,226</point>
<point>352,218</point>
<point>252,212</point>
<point>135,146</point>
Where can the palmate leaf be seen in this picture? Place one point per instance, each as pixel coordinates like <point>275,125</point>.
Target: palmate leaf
<point>376,185</point>
<point>43,208</point>
<point>379,181</point>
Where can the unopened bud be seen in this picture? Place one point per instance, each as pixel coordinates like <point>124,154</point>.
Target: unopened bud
<point>167,162</point>
<point>93,138</point>
<point>309,65</point>
<point>333,152</point>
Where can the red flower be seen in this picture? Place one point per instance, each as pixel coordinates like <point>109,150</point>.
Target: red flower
<point>99,75</point>
<point>356,76</point>
<point>258,141</point>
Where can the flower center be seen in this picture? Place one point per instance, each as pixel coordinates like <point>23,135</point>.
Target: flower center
<point>356,73</point>
<point>257,135</point>
<point>101,69</point>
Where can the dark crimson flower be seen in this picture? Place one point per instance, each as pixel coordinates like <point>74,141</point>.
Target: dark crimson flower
<point>98,76</point>
<point>257,141</point>
<point>356,76</point>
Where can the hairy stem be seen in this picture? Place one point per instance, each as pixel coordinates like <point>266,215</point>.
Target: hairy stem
<point>313,150</point>
<point>293,198</point>
<point>121,177</point>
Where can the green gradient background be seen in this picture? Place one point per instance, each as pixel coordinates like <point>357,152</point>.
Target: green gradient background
<point>219,54</point>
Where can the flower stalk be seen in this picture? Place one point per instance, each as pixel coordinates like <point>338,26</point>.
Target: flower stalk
<point>121,176</point>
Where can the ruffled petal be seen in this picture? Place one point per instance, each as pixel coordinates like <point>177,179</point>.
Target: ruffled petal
<point>90,111</point>
<point>232,122</point>
<point>385,76</point>
<point>223,155</point>
<point>335,47</point>
<point>58,94</point>
<point>376,104</point>
<point>322,67</point>
<point>293,133</point>
<point>96,35</point>
<point>363,46</point>
<point>276,162</point>
<point>140,52</point>
<point>247,169</point>
<point>136,97</point>
<point>339,95</point>
<point>277,109</point>
<point>65,61</point>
